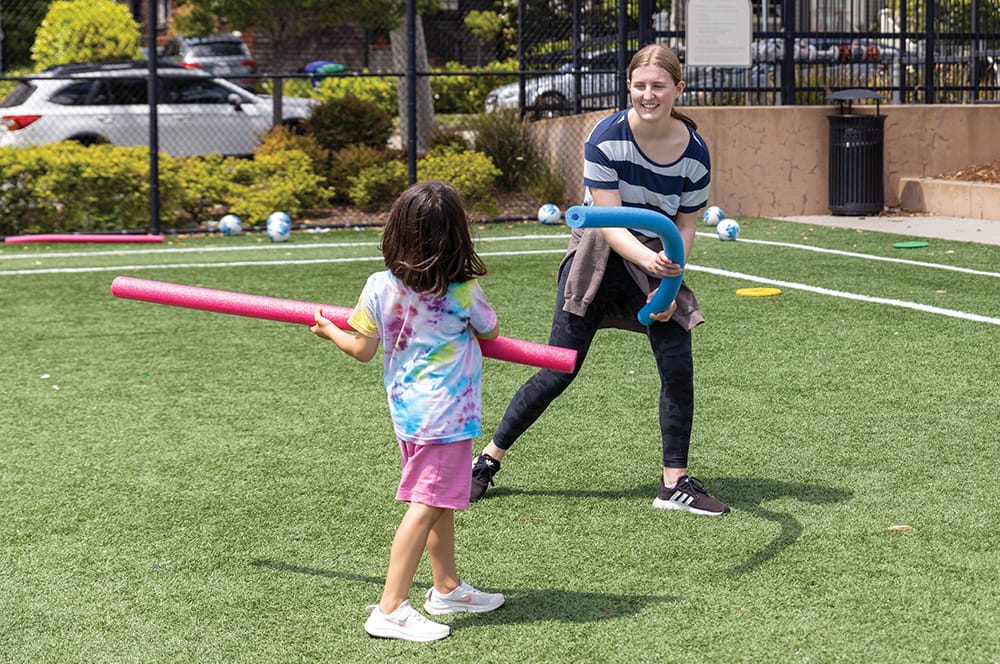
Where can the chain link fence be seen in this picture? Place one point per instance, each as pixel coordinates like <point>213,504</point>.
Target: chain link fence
<point>564,58</point>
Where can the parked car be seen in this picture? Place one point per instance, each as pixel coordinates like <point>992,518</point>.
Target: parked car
<point>550,95</point>
<point>224,55</point>
<point>197,113</point>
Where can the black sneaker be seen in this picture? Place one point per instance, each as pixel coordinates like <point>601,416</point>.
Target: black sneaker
<point>484,467</point>
<point>689,495</point>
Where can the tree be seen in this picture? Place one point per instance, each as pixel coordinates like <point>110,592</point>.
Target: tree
<point>86,31</point>
<point>282,20</point>
<point>485,26</point>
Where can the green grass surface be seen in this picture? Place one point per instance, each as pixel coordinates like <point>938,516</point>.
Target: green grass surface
<point>183,486</point>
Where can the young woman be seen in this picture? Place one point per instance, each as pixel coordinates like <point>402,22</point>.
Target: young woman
<point>428,310</point>
<point>647,156</point>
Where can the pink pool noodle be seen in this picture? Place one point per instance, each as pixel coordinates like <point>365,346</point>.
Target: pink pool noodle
<point>81,237</point>
<point>293,311</point>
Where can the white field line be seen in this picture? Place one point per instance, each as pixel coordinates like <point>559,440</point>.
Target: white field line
<point>926,308</point>
<point>724,273</point>
<point>303,261</point>
<point>262,247</point>
<point>852,254</point>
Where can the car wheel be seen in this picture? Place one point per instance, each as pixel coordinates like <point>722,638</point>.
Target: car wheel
<point>87,140</point>
<point>294,127</point>
<point>550,105</point>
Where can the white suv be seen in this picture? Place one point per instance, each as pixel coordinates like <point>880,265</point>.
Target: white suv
<point>197,114</point>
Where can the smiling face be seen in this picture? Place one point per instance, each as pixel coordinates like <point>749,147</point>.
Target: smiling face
<point>653,91</point>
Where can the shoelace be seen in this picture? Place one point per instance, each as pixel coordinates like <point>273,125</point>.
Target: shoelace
<point>695,485</point>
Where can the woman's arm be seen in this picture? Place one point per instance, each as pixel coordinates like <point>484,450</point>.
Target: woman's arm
<point>628,246</point>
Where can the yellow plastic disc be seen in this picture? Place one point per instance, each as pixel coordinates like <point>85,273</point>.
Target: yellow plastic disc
<point>758,292</point>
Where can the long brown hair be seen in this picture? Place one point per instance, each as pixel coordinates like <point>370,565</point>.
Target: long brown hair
<point>426,242</point>
<point>663,57</point>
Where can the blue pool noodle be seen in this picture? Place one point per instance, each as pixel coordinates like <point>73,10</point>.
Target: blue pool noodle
<point>588,216</point>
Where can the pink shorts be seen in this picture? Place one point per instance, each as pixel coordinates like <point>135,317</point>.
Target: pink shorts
<point>436,475</point>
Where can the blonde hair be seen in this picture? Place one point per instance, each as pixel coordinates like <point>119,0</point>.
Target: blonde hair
<point>658,55</point>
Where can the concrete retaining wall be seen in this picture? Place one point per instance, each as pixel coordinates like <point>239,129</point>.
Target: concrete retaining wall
<point>773,160</point>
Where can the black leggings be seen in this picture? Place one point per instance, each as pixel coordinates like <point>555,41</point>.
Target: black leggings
<point>671,346</point>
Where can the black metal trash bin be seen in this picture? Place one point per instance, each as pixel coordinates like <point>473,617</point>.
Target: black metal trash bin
<point>856,157</point>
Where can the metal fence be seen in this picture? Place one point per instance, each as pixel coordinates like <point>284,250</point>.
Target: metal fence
<point>571,58</point>
<point>940,51</point>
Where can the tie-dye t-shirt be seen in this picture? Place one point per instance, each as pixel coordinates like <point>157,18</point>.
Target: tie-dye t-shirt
<point>431,358</point>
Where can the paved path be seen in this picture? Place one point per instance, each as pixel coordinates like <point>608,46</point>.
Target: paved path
<point>945,228</point>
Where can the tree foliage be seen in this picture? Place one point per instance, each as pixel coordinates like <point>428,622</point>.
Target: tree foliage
<point>86,31</point>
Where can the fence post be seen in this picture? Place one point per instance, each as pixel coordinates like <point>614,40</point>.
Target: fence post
<point>788,60</point>
<point>153,93</point>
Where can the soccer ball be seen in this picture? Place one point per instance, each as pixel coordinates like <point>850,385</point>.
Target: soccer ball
<point>727,229</point>
<point>713,215</point>
<point>231,225</point>
<point>549,214</point>
<point>279,227</point>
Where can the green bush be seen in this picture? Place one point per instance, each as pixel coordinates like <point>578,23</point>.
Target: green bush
<point>353,159</point>
<point>502,136</point>
<point>452,139</point>
<point>281,180</point>
<point>464,94</point>
<point>86,31</point>
<point>339,122</point>
<point>376,187</point>
<point>21,208</point>
<point>471,173</point>
<point>203,186</point>
<point>286,138</point>
<point>68,187</point>
<point>379,92</point>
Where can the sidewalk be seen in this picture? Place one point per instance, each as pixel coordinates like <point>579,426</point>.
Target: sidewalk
<point>945,228</point>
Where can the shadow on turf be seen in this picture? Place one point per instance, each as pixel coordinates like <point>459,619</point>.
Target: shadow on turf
<point>744,495</point>
<point>523,604</point>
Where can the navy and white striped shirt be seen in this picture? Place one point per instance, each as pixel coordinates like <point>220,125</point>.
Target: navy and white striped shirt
<point>613,160</point>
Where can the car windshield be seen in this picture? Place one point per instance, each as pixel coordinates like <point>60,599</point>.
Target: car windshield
<point>217,49</point>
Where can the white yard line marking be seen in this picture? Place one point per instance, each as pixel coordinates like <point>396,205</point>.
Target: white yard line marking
<point>696,268</point>
<point>870,257</point>
<point>262,247</point>
<point>174,266</point>
<point>926,308</point>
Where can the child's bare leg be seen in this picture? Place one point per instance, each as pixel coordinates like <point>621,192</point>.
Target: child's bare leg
<point>441,551</point>
<point>407,548</point>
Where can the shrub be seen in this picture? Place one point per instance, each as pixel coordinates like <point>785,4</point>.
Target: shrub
<point>380,92</point>
<point>546,184</point>
<point>465,94</point>
<point>21,209</point>
<point>286,138</point>
<point>502,136</point>
<point>452,139</point>
<point>353,159</point>
<point>91,31</point>
<point>339,122</point>
<point>471,173</point>
<point>376,187</point>
<point>202,185</point>
<point>68,187</point>
<point>281,180</point>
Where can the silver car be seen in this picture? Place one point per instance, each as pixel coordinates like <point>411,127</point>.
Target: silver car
<point>550,95</point>
<point>197,114</point>
<point>224,55</point>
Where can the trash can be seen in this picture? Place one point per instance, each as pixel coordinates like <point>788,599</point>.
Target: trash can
<point>321,68</point>
<point>856,157</point>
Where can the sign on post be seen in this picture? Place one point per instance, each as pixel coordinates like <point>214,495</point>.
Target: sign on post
<point>719,33</point>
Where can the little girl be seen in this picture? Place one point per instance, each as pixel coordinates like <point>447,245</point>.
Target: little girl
<point>428,309</point>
